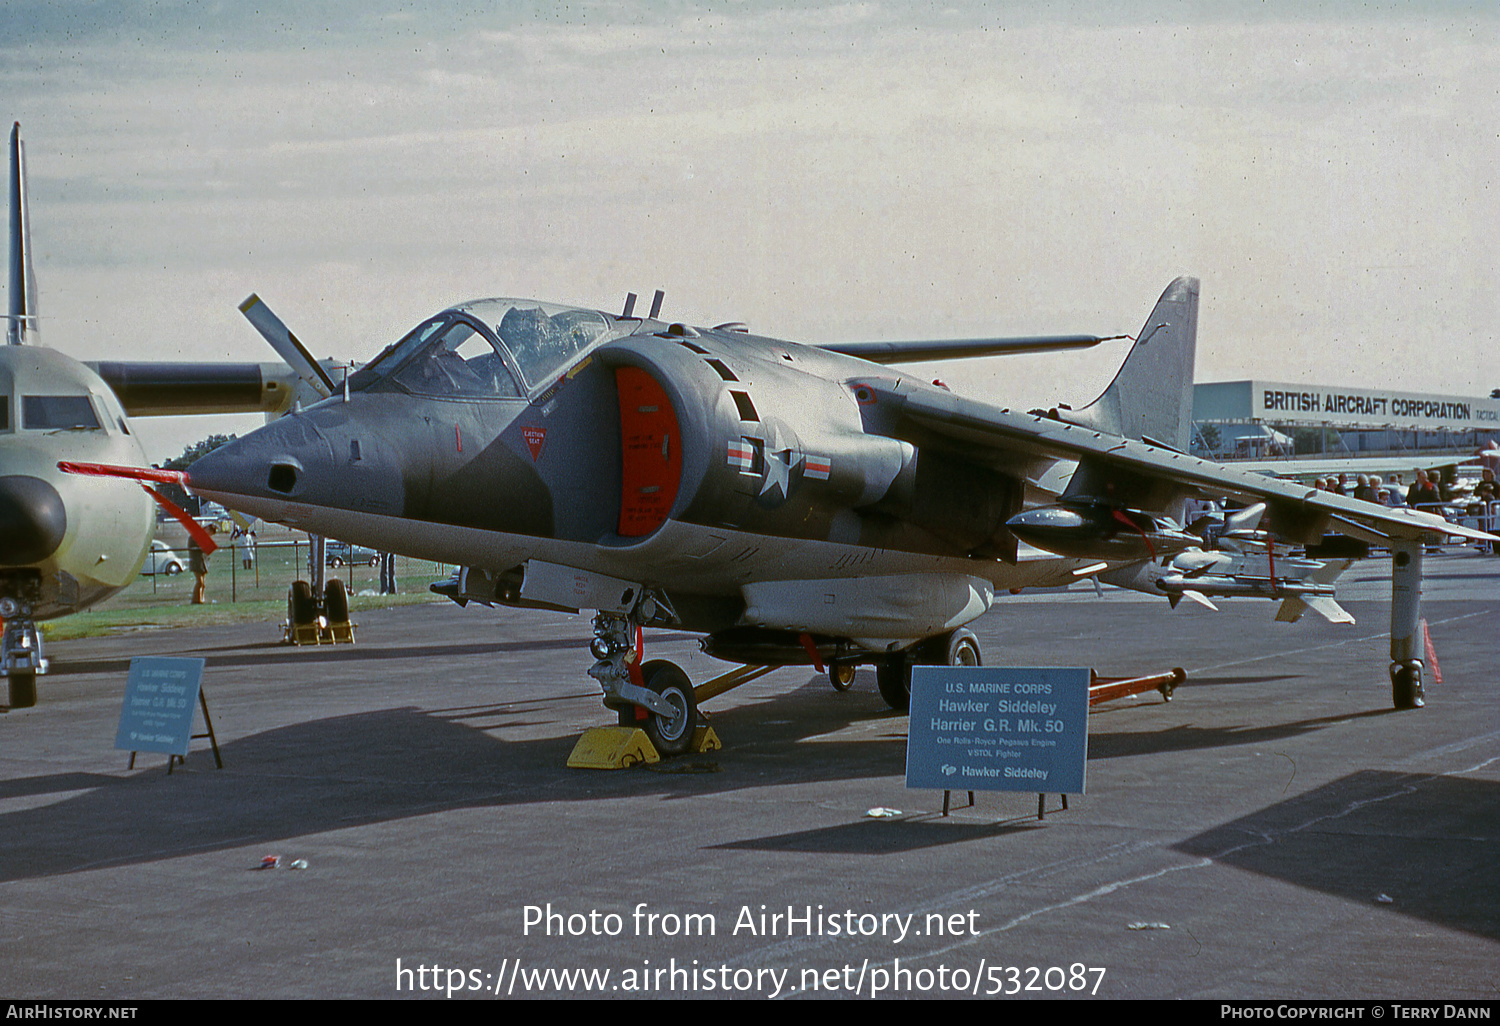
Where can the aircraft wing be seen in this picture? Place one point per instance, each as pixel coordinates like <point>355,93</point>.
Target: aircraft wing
<point>960,348</point>
<point>1126,468</point>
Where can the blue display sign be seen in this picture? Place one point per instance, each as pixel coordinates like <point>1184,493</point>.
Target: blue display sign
<point>998,728</point>
<point>161,696</point>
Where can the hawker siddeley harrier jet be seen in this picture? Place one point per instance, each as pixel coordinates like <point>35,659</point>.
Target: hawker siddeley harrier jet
<point>795,504</point>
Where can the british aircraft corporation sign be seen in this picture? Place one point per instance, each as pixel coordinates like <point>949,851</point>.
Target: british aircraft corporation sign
<point>998,728</point>
<point>1370,407</point>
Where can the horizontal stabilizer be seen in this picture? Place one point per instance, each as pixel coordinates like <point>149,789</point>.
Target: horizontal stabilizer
<point>959,348</point>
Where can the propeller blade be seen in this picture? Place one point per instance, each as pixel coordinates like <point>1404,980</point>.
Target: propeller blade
<point>287,345</point>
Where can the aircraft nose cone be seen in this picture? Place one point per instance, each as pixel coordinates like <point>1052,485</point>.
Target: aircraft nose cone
<point>274,462</point>
<point>33,520</point>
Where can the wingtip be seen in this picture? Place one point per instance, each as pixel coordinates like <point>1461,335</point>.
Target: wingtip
<point>250,301</point>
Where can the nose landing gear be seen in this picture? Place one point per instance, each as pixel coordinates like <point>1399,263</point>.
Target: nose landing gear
<point>657,696</point>
<point>20,651</point>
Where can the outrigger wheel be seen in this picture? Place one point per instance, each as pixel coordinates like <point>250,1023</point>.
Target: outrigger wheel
<point>670,735</point>
<point>893,676</point>
<point>1406,685</point>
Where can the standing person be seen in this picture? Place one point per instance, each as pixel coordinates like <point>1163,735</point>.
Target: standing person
<point>198,562</point>
<point>1422,491</point>
<point>1447,484</point>
<point>387,573</point>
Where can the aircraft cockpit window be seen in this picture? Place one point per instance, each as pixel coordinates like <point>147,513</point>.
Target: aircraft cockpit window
<point>58,413</point>
<point>4,413</point>
<point>543,344</point>
<point>460,360</point>
<point>456,353</point>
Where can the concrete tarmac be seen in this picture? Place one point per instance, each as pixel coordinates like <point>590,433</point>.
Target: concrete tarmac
<point>1276,831</point>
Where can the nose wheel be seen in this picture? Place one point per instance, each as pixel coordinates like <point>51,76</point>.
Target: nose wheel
<point>671,734</point>
<point>656,696</point>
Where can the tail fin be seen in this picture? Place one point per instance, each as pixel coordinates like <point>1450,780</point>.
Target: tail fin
<point>1152,395</point>
<point>20,324</point>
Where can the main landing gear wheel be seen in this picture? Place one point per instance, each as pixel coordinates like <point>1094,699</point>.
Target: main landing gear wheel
<point>336,601</point>
<point>958,648</point>
<point>22,689</point>
<point>1406,685</point>
<point>893,677</point>
<point>670,735</point>
<point>300,607</point>
<point>841,675</point>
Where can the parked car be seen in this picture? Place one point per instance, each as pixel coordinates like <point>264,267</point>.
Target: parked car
<point>162,560</point>
<point>337,553</point>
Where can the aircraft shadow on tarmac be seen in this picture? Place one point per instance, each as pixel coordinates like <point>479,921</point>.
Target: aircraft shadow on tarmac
<point>1185,738</point>
<point>390,764</point>
<point>1428,843</point>
<point>886,837</point>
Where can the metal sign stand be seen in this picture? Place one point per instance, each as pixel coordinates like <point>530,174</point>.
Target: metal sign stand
<point>946,795</point>
<point>1041,803</point>
<point>173,760</point>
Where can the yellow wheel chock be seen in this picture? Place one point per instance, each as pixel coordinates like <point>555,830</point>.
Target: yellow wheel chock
<point>612,748</point>
<point>625,747</point>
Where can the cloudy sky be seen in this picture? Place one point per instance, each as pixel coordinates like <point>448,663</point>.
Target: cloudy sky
<point>823,171</point>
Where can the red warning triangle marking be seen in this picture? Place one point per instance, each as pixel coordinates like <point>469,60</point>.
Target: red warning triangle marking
<point>536,437</point>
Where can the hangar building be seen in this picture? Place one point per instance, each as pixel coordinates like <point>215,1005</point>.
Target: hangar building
<point>1268,419</point>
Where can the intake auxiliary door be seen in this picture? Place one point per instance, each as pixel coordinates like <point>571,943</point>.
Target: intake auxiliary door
<point>650,453</point>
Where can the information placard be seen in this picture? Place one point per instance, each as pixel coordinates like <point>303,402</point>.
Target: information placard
<point>998,728</point>
<point>161,696</point>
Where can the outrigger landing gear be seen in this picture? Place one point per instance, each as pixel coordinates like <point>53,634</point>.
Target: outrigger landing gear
<point>1406,624</point>
<point>658,691</point>
<point>893,676</point>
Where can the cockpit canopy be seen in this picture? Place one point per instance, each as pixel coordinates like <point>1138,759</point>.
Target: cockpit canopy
<point>489,348</point>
